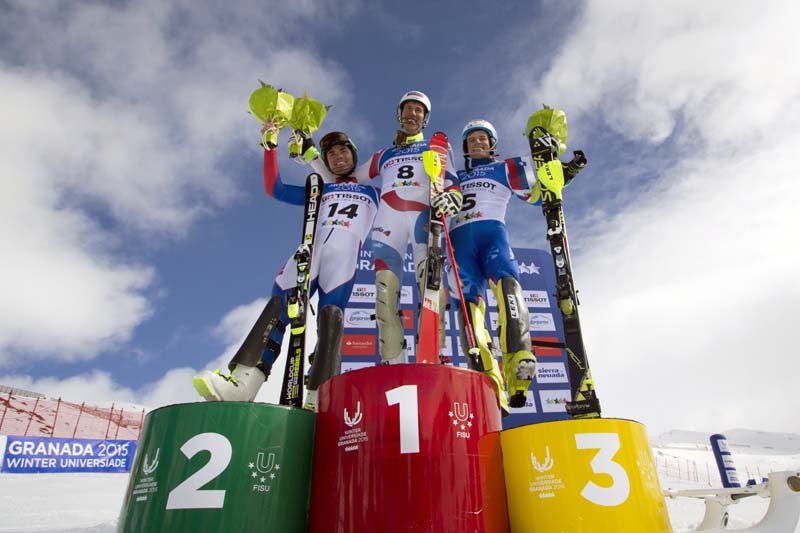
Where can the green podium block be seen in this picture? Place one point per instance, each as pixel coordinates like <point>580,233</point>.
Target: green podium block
<point>227,466</point>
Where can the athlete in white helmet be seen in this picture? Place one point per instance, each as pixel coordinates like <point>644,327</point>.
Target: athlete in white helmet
<point>346,212</point>
<point>483,255</point>
<point>403,217</point>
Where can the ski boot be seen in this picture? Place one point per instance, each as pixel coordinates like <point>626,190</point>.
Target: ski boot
<point>481,358</point>
<point>241,385</point>
<point>519,369</point>
<point>311,401</point>
<point>497,379</point>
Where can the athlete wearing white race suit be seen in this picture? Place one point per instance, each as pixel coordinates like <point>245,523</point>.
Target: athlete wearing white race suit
<point>346,213</point>
<point>402,218</point>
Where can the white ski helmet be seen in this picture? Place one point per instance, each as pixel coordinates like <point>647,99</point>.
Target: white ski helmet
<point>415,96</point>
<point>482,125</point>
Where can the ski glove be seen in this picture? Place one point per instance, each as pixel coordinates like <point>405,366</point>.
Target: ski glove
<point>301,143</point>
<point>447,203</point>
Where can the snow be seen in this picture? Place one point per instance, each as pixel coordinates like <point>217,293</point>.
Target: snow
<point>83,503</point>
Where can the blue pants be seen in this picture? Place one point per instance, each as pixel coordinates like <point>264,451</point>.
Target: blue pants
<point>482,253</point>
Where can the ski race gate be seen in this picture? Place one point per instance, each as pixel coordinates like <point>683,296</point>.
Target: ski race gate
<point>415,448</point>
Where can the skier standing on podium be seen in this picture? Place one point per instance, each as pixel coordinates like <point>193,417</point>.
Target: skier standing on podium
<point>403,217</point>
<point>483,254</point>
<point>346,213</point>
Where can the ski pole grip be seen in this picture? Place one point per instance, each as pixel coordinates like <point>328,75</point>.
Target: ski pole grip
<point>577,164</point>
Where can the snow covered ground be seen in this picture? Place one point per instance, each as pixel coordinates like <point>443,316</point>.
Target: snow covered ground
<point>83,503</point>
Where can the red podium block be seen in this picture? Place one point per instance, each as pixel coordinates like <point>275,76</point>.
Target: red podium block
<point>408,448</point>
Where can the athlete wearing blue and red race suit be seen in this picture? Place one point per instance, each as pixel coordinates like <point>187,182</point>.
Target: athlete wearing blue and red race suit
<point>346,212</point>
<point>403,217</point>
<point>484,256</point>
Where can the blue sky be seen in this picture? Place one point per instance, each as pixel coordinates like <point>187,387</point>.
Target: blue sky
<point>139,246</point>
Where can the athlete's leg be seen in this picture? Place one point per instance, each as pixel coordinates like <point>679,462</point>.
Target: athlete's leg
<point>473,310</point>
<point>419,249</point>
<point>338,254</point>
<point>519,362</point>
<point>389,242</point>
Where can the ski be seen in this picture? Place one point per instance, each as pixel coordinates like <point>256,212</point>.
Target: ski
<point>552,175</point>
<point>292,387</point>
<point>428,332</point>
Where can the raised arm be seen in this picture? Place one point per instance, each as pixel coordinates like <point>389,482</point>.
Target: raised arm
<point>521,175</point>
<point>274,186</point>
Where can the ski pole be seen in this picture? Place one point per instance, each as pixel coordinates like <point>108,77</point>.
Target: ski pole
<point>473,346</point>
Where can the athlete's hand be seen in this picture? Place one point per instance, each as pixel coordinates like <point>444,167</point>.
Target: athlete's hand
<point>269,135</point>
<point>301,143</point>
<point>447,203</point>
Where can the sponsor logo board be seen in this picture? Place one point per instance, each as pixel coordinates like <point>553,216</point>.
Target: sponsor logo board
<point>358,344</point>
<point>551,373</point>
<point>554,401</point>
<point>363,293</point>
<point>536,298</point>
<point>542,322</point>
<point>358,318</point>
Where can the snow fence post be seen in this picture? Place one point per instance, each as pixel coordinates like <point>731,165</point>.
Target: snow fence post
<point>55,417</point>
<point>33,412</point>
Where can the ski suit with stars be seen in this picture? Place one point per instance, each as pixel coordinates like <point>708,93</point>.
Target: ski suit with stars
<point>346,212</point>
<point>402,218</point>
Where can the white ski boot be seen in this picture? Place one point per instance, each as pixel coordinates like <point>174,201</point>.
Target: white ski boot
<point>241,386</point>
<point>311,401</point>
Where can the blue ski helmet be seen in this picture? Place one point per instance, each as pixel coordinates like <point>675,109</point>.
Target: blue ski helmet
<point>482,125</point>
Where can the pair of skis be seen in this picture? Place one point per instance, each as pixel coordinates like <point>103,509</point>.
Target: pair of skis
<point>435,163</point>
<point>292,386</point>
<point>553,176</point>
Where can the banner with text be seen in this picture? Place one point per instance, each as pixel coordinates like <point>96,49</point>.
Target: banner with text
<point>31,455</point>
<point>549,392</point>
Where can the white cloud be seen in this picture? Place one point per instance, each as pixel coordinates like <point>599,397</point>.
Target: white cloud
<point>116,124</point>
<point>689,290</point>
<point>175,386</point>
<point>94,387</point>
<point>689,300</point>
<point>724,68</point>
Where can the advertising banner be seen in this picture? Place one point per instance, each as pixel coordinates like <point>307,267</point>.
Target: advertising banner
<point>549,392</point>
<point>36,455</point>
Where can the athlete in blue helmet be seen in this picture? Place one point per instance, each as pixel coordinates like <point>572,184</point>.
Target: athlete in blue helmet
<point>483,255</point>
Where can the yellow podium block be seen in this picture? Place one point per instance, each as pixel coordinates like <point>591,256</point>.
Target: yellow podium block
<point>582,476</point>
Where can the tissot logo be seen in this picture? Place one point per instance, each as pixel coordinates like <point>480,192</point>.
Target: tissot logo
<point>537,298</point>
<point>363,293</point>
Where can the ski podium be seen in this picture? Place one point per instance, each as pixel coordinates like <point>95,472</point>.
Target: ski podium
<point>416,447</point>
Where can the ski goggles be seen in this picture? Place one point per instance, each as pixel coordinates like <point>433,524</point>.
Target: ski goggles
<point>332,139</point>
